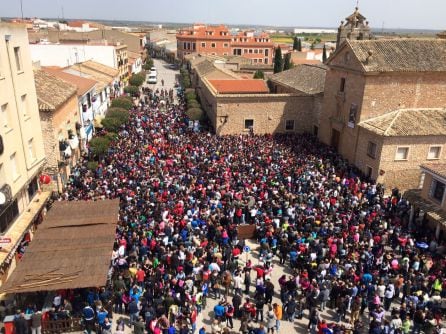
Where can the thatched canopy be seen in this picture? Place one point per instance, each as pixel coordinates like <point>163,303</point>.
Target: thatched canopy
<point>71,249</point>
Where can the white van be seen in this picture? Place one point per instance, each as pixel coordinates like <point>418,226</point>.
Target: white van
<point>152,78</point>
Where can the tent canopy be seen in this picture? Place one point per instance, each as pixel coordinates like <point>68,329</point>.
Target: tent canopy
<point>71,249</point>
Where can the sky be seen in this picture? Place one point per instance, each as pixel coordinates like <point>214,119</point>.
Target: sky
<point>412,14</point>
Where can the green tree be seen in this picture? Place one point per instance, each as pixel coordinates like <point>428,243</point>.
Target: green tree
<point>287,63</point>
<point>122,102</point>
<point>99,145</point>
<point>278,61</point>
<point>137,79</point>
<point>132,90</point>
<point>259,74</point>
<point>296,43</point>
<point>120,113</point>
<point>111,124</point>
<point>299,45</point>
<point>324,54</point>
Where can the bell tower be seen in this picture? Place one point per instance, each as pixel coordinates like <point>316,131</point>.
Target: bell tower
<point>355,27</point>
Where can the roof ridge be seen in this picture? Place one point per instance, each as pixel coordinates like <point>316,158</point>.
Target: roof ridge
<point>398,112</point>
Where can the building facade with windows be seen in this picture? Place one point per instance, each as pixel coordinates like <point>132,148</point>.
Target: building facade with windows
<point>372,89</point>
<point>22,154</point>
<point>220,41</point>
<point>57,100</point>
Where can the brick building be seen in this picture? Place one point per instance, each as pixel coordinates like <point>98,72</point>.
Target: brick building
<point>355,27</point>
<point>219,41</point>
<point>372,88</point>
<point>57,101</point>
<point>235,105</point>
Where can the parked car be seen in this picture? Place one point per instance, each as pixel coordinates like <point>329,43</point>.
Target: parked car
<point>152,78</point>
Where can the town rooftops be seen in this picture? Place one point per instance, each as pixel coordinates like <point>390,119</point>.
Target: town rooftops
<point>83,84</point>
<point>306,78</point>
<point>408,122</point>
<point>102,74</point>
<point>400,55</point>
<point>234,86</point>
<point>52,92</point>
<point>437,169</point>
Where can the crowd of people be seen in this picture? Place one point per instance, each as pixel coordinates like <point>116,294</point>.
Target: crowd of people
<point>337,240</point>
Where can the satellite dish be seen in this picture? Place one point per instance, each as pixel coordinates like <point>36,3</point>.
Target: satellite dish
<point>2,198</point>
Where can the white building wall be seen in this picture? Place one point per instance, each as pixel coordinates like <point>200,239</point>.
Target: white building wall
<point>63,55</point>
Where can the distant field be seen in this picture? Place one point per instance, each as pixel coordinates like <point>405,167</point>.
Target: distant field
<point>284,38</point>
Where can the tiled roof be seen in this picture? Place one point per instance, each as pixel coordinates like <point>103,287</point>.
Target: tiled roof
<point>204,67</point>
<point>228,86</point>
<point>83,84</point>
<point>306,78</point>
<point>400,55</point>
<point>102,74</point>
<point>438,169</point>
<point>409,122</point>
<point>110,71</point>
<point>51,91</point>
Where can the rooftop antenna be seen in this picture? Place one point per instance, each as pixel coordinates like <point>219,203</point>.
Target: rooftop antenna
<point>21,8</point>
<point>63,15</point>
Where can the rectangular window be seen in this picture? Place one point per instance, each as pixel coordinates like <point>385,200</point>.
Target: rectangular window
<point>256,51</point>
<point>213,45</point>
<point>194,46</point>
<point>434,152</point>
<point>342,86</point>
<point>371,150</point>
<point>203,44</point>
<point>14,167</point>
<point>260,60</point>
<point>245,51</point>
<point>289,124</point>
<point>402,153</point>
<point>250,50</point>
<point>4,116</point>
<point>255,61</point>
<point>249,124</point>
<point>261,51</point>
<point>31,150</point>
<point>437,190</point>
<point>24,105</point>
<point>226,45</point>
<point>18,60</point>
<point>266,60</point>
<point>89,100</point>
<point>266,52</point>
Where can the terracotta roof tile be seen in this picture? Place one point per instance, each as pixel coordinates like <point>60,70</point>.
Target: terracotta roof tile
<point>83,84</point>
<point>409,122</point>
<point>438,169</point>
<point>306,78</point>
<point>52,91</point>
<point>400,55</point>
<point>252,86</point>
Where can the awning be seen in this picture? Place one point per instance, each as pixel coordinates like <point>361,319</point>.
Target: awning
<point>71,249</point>
<point>432,210</point>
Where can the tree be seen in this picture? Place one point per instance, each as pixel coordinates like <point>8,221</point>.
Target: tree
<point>278,61</point>
<point>99,145</point>
<point>122,102</point>
<point>324,54</point>
<point>120,113</point>
<point>299,45</point>
<point>132,90</point>
<point>287,64</point>
<point>259,74</point>
<point>137,79</point>
<point>112,124</point>
<point>296,43</point>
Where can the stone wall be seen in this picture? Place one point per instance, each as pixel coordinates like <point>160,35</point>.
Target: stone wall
<point>406,174</point>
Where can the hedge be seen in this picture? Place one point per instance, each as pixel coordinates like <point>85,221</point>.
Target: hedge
<point>191,96</point>
<point>92,165</point>
<point>122,102</point>
<point>193,104</point>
